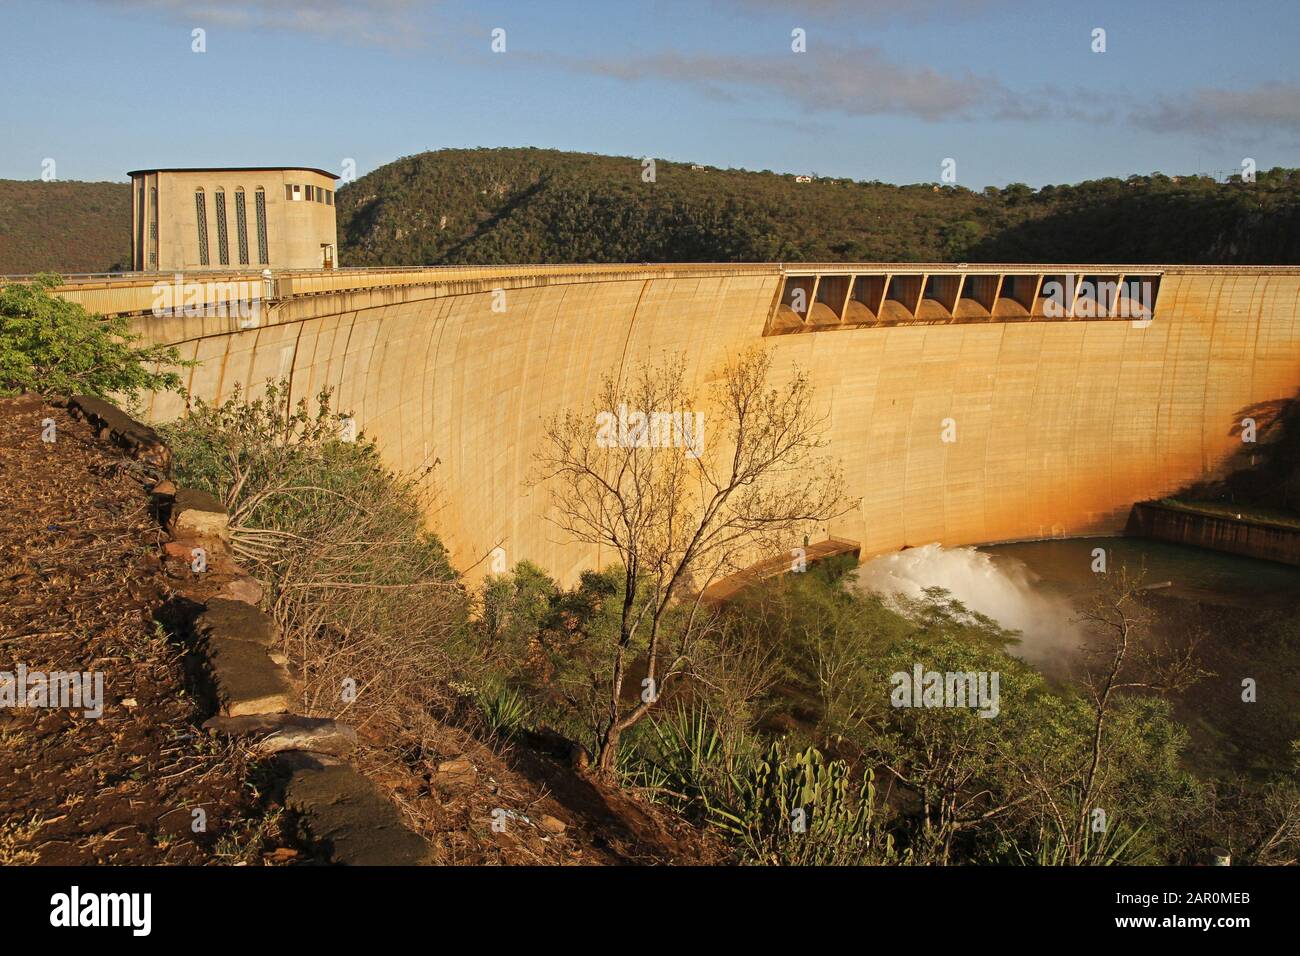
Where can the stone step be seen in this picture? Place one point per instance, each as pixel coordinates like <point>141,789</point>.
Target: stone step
<point>196,514</point>
<point>349,817</point>
<point>246,680</point>
<point>231,620</point>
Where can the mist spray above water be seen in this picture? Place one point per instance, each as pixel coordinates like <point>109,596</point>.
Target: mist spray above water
<point>1002,588</point>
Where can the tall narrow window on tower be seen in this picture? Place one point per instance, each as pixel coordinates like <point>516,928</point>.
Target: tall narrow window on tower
<point>153,227</point>
<point>201,217</point>
<point>223,243</point>
<point>138,257</point>
<point>241,226</point>
<point>262,256</point>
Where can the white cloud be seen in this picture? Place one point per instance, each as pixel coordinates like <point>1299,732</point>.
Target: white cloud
<point>378,22</point>
<point>861,82</point>
<point>1270,107</point>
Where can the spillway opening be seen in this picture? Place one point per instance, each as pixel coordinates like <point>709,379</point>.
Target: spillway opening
<point>1097,297</point>
<point>828,307</point>
<point>939,301</point>
<point>1055,296</point>
<point>865,299</point>
<point>1016,297</point>
<point>1136,298</point>
<point>902,299</point>
<point>796,300</point>
<point>977,298</point>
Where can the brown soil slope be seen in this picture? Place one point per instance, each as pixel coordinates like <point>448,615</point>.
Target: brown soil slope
<point>79,583</point>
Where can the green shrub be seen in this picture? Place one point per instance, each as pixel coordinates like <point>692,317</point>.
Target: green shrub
<point>54,347</point>
<point>836,812</point>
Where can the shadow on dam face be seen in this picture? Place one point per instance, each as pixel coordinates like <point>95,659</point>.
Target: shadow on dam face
<point>1058,424</point>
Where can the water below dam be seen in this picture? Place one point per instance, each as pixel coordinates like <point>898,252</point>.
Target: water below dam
<point>1038,587</point>
<point>1247,612</point>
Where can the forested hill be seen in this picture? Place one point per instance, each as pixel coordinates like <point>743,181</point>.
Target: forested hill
<point>534,205</point>
<point>64,226</point>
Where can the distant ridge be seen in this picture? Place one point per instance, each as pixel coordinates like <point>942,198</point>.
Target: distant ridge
<point>64,226</point>
<point>466,206</point>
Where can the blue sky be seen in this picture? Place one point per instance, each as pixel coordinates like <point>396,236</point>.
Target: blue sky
<point>886,89</point>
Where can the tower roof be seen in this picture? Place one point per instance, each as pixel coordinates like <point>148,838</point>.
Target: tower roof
<point>233,169</point>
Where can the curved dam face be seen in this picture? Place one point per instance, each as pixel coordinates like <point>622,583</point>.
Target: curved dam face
<point>1060,423</point>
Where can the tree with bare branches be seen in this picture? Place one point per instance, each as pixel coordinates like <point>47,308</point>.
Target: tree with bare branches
<point>1124,660</point>
<point>680,505</point>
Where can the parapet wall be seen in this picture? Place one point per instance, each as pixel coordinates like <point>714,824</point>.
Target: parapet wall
<point>1060,426</point>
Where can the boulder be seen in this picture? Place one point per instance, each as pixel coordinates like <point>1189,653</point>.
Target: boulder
<point>551,824</point>
<point>242,588</point>
<point>332,738</point>
<point>112,424</point>
<point>282,732</point>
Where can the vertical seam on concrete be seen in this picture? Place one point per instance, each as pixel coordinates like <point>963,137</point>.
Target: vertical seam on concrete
<point>297,343</point>
<point>423,405</point>
<point>988,440</point>
<point>631,323</point>
<point>1025,494</point>
<point>1073,488</point>
<point>225,358</point>
<point>441,323</point>
<point>1169,375</point>
<point>1212,319</point>
<point>343,368</point>
<point>189,380</point>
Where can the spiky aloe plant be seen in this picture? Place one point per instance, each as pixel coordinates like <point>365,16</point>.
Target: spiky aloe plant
<point>504,710</point>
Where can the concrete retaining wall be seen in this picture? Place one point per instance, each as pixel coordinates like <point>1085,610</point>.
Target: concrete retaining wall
<point>1217,533</point>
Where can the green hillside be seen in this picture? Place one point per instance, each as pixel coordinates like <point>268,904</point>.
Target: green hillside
<point>534,205</point>
<point>64,226</point>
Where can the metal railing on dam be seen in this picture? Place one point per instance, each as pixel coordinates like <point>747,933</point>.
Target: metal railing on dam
<point>138,293</point>
<point>1061,411</point>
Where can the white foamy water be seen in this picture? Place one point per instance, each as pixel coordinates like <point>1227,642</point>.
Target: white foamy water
<point>1003,588</point>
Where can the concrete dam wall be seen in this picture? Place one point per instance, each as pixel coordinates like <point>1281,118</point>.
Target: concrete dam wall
<point>1060,424</point>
